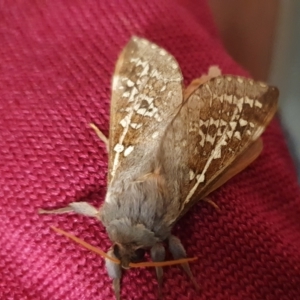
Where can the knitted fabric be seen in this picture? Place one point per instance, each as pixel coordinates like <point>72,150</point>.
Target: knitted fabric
<point>56,61</point>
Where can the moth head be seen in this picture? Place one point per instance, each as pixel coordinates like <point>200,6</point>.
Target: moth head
<point>130,240</point>
<point>127,254</point>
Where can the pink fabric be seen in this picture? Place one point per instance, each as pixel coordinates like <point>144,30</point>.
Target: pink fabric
<point>56,61</point>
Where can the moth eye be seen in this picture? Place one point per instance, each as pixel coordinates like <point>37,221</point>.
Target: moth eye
<point>138,255</point>
<point>116,250</point>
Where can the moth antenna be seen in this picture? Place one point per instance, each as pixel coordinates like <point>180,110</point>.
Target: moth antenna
<point>100,135</point>
<point>62,210</point>
<point>85,245</point>
<point>162,263</point>
<point>211,202</point>
<point>116,261</point>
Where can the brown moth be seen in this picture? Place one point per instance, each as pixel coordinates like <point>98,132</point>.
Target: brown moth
<point>170,148</point>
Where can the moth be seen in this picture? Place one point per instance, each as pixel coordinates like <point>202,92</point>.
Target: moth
<point>169,148</point>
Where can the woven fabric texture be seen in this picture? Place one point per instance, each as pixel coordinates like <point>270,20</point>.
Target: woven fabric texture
<point>56,62</point>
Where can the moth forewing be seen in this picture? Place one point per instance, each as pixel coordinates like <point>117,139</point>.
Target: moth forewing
<point>146,94</point>
<point>225,116</point>
<point>238,165</point>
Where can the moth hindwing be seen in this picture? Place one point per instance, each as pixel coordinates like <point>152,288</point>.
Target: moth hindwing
<point>167,151</point>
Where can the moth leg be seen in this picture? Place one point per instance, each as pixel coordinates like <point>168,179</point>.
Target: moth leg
<point>211,203</point>
<point>158,253</point>
<point>178,252</point>
<point>115,272</point>
<point>82,208</point>
<point>100,135</point>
